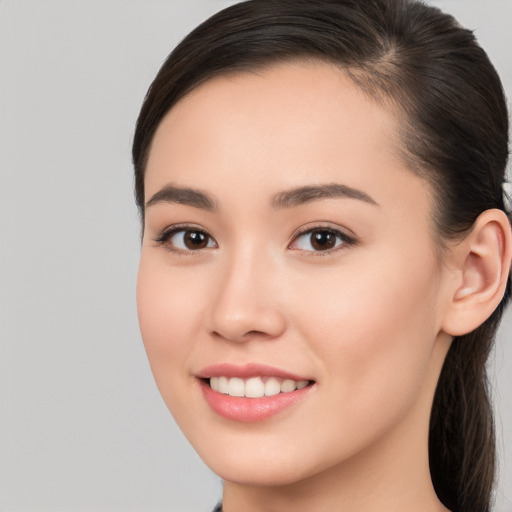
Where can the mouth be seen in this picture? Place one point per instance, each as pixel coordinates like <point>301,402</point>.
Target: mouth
<point>255,387</point>
<point>252,392</point>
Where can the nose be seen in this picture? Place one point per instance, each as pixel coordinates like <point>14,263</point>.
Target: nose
<point>245,305</point>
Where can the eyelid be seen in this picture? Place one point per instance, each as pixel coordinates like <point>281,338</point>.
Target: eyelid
<point>346,239</point>
<point>168,232</point>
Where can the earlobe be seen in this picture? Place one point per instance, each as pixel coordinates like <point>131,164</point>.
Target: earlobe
<point>483,266</point>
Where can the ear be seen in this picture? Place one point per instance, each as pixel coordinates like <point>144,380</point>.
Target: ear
<point>481,265</point>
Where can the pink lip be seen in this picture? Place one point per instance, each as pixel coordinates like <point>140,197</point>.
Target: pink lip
<point>246,371</point>
<point>249,409</point>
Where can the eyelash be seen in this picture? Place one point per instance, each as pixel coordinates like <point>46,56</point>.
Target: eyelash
<point>171,231</point>
<point>342,240</point>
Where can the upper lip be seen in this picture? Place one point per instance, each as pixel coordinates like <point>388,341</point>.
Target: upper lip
<point>246,371</point>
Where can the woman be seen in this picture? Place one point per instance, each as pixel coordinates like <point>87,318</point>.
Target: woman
<point>326,253</point>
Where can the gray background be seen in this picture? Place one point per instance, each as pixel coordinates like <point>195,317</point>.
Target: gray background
<point>82,425</point>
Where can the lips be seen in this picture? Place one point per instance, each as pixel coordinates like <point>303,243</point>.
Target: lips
<point>248,370</point>
<point>252,392</point>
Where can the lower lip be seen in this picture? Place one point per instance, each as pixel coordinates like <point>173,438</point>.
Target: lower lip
<point>251,409</point>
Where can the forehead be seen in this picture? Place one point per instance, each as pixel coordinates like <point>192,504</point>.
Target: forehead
<point>304,90</point>
<point>280,126</point>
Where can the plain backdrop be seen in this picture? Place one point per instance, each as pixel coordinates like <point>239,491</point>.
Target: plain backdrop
<point>83,427</point>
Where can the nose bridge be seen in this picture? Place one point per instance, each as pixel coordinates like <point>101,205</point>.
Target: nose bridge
<point>245,305</point>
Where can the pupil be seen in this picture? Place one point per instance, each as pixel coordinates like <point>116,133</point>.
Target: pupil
<point>195,240</point>
<point>323,240</point>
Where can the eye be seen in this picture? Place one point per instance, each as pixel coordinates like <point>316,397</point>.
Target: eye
<point>184,239</point>
<point>321,240</point>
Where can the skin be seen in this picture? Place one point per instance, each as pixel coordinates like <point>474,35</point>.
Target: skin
<point>365,321</point>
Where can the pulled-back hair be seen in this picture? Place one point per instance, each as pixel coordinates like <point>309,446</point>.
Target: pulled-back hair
<point>454,133</point>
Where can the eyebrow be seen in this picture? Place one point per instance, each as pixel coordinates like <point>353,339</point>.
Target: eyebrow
<point>286,199</point>
<point>310,193</point>
<point>182,195</point>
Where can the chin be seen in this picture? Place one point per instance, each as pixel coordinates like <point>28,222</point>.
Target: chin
<point>263,475</point>
<point>267,465</point>
<point>255,463</point>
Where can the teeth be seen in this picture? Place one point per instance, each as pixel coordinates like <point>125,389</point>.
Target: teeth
<point>236,387</point>
<point>255,387</point>
<point>288,385</point>
<point>223,385</point>
<point>272,387</point>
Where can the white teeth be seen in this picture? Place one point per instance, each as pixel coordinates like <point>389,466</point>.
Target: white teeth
<point>272,387</point>
<point>288,385</point>
<point>223,385</point>
<point>255,387</point>
<point>236,387</point>
<point>214,383</point>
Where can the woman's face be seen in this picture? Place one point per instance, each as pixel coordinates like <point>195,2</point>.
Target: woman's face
<point>287,246</point>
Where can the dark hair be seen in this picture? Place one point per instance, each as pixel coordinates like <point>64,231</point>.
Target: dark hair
<point>454,134</point>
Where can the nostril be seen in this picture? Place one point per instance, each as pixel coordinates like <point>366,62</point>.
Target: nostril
<point>246,336</point>
<point>255,333</point>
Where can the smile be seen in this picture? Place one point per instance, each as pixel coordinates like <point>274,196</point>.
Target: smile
<point>255,387</point>
<point>252,392</point>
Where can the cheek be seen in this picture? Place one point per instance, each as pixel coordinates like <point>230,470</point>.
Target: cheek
<point>374,327</point>
<point>169,317</point>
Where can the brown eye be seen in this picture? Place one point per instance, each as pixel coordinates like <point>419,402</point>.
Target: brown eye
<point>185,240</point>
<point>195,240</point>
<point>321,240</point>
